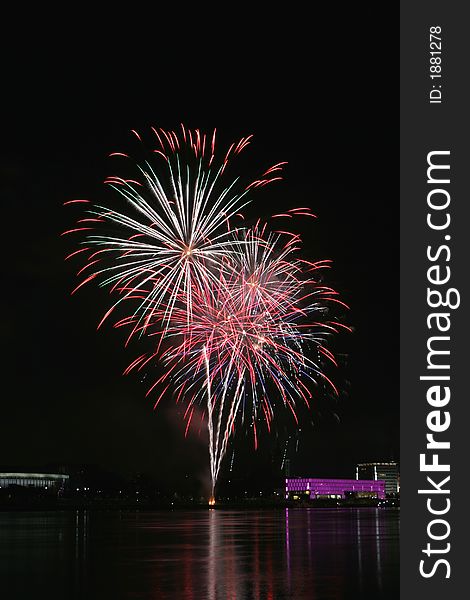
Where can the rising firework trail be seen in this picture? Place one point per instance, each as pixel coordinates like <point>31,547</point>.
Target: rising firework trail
<point>249,339</point>
<point>236,315</point>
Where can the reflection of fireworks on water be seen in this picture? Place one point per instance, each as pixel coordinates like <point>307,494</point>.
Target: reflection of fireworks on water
<point>238,310</point>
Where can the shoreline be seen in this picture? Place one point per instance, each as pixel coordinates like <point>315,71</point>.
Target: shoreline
<point>105,505</point>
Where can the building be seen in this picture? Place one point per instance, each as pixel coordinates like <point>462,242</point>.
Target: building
<point>47,481</point>
<point>334,488</point>
<point>388,471</point>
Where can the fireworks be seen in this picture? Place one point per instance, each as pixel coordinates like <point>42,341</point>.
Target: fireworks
<point>245,321</point>
<point>174,231</point>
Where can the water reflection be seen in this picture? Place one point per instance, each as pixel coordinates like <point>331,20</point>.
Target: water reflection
<point>231,555</point>
<point>330,551</point>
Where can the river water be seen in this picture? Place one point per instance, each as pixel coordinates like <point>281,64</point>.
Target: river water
<point>301,553</point>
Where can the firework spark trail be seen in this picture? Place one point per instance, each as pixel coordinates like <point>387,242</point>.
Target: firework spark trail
<point>209,419</point>
<point>179,230</point>
<point>252,331</point>
<point>237,308</point>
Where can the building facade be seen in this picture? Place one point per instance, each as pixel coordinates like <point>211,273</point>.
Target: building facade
<point>334,488</point>
<point>49,481</point>
<point>387,471</point>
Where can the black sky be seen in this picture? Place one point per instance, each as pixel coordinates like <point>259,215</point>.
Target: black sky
<point>320,96</point>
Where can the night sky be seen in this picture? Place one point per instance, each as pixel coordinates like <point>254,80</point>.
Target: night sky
<point>317,96</point>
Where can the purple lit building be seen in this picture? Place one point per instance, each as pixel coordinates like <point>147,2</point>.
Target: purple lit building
<point>334,488</point>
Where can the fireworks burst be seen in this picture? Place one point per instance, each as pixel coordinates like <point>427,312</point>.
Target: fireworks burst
<point>240,313</point>
<point>246,344</point>
<point>175,230</point>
